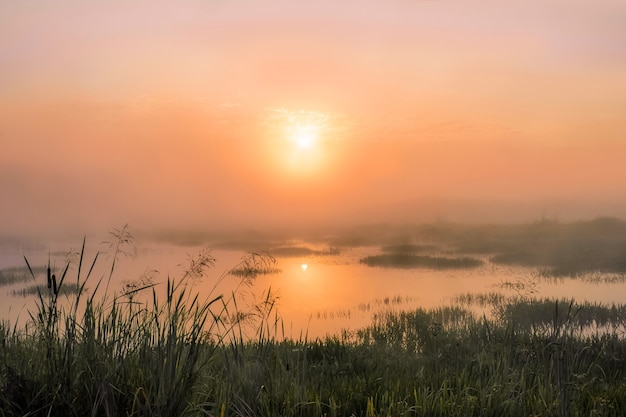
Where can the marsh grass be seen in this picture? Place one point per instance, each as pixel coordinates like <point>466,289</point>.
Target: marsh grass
<point>564,249</point>
<point>581,316</point>
<point>559,249</point>
<point>374,305</point>
<point>135,353</point>
<point>591,276</point>
<point>18,274</point>
<point>67,289</point>
<point>404,260</point>
<point>488,299</point>
<point>256,263</point>
<point>81,355</point>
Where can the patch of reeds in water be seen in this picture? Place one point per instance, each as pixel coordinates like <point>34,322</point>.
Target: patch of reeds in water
<point>18,274</point>
<point>580,315</point>
<point>565,249</point>
<point>404,260</point>
<point>480,299</point>
<point>375,305</point>
<point>595,277</point>
<point>255,263</point>
<point>69,288</point>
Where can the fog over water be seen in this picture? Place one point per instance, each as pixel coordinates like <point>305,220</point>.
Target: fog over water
<point>338,279</point>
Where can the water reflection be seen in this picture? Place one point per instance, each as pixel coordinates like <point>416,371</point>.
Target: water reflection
<point>318,293</point>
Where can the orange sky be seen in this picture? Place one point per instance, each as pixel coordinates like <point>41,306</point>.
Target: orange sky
<point>166,114</point>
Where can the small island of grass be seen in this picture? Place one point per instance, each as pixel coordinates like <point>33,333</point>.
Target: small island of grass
<point>404,260</point>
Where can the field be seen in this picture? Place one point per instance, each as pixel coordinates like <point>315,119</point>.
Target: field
<point>87,352</point>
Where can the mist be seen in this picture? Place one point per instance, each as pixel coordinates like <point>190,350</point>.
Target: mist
<point>179,118</point>
<point>82,168</point>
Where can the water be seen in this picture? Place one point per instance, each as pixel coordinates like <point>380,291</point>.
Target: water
<point>317,295</point>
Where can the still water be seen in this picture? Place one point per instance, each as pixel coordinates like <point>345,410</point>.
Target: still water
<point>316,295</point>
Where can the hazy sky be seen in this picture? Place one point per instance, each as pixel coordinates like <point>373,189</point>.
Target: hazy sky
<point>263,113</point>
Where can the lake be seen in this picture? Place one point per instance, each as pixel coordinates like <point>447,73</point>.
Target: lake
<point>318,292</point>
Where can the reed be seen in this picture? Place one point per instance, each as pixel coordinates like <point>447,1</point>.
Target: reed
<point>255,263</point>
<point>82,354</point>
<point>135,353</point>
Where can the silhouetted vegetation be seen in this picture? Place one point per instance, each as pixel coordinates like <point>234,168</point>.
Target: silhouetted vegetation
<point>567,249</point>
<point>254,264</point>
<point>559,249</point>
<point>135,353</point>
<point>188,357</point>
<point>403,260</point>
<point>69,288</point>
<point>297,251</point>
<point>18,274</point>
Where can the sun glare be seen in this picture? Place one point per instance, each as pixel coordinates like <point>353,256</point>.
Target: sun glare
<point>300,142</point>
<point>304,137</point>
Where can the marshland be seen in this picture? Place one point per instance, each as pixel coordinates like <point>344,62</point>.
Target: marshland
<point>312,208</point>
<point>534,325</point>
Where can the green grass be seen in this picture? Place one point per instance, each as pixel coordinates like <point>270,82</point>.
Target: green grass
<point>81,355</point>
<point>137,354</point>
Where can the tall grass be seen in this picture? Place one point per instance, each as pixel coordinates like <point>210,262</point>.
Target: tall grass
<point>136,353</point>
<point>116,354</point>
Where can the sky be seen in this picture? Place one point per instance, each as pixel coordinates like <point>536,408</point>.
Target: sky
<point>271,113</point>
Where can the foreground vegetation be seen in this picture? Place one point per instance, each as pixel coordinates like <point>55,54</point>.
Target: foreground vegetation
<point>138,353</point>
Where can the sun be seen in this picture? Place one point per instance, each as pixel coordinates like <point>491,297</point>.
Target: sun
<point>304,136</point>
<point>300,143</point>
